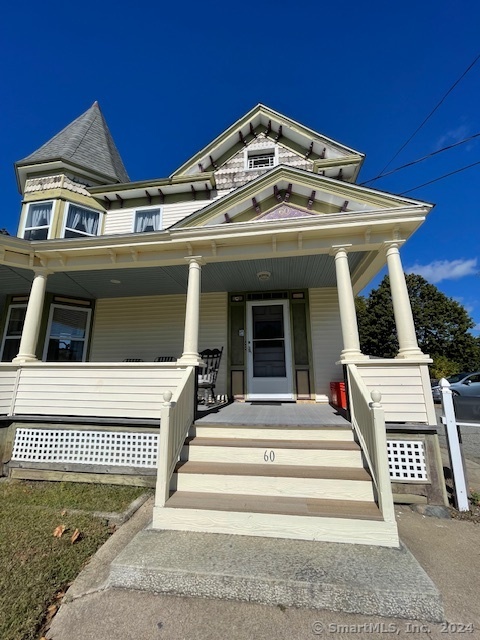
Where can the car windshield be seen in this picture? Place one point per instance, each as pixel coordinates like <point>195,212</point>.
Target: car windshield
<point>457,377</point>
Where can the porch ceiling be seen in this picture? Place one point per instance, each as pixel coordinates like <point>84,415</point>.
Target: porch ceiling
<point>286,273</point>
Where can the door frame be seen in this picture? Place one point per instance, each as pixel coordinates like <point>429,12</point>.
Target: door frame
<point>288,393</point>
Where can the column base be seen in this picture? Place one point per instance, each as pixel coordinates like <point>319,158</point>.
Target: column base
<point>352,355</point>
<point>192,360</point>
<point>411,354</point>
<point>24,359</point>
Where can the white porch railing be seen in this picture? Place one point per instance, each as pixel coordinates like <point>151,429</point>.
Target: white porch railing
<point>89,389</point>
<point>368,420</point>
<point>176,419</point>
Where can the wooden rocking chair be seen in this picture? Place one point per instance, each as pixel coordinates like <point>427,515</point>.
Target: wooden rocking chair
<point>207,377</point>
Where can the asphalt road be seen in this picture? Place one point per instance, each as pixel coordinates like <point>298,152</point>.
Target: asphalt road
<point>470,437</point>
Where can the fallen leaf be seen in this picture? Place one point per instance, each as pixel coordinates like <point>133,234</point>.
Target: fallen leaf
<point>58,533</point>
<point>60,595</point>
<point>64,512</point>
<point>75,536</point>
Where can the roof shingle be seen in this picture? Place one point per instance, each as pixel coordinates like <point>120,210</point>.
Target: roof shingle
<point>86,142</point>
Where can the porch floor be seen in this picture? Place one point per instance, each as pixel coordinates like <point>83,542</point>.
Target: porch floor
<point>275,413</point>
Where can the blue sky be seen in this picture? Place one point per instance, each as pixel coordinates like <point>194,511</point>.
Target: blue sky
<point>171,77</point>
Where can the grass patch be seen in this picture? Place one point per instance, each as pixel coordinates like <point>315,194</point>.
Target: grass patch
<point>69,495</point>
<point>35,565</point>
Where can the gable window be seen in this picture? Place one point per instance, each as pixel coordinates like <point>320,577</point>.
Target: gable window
<point>13,331</point>
<point>260,159</point>
<point>81,222</point>
<point>67,334</point>
<point>147,220</point>
<point>37,223</point>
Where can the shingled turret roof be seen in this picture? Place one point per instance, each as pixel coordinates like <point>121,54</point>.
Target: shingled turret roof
<point>86,143</point>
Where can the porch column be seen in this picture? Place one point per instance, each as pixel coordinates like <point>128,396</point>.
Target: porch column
<point>33,318</point>
<point>346,301</point>
<point>402,310</point>
<point>190,353</point>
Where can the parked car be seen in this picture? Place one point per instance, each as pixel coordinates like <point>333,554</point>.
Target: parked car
<point>461,384</point>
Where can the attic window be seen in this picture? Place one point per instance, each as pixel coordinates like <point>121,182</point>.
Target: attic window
<point>260,159</point>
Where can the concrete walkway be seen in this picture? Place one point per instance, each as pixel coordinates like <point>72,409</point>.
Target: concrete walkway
<point>448,550</point>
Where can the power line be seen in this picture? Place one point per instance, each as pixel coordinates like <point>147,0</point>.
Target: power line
<point>430,155</point>
<point>474,164</point>
<point>427,118</point>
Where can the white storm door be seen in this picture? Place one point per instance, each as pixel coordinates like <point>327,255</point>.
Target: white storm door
<point>269,354</point>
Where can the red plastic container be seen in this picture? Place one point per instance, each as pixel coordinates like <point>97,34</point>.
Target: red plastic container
<point>338,394</point>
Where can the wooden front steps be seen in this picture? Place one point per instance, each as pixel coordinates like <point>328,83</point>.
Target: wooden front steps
<point>275,481</point>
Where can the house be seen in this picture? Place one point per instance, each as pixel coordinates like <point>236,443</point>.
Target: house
<point>258,244</point>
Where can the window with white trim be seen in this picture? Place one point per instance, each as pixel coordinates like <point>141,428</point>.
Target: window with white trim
<point>13,331</point>
<point>67,334</point>
<point>38,220</point>
<point>147,220</point>
<point>80,222</point>
<point>260,159</point>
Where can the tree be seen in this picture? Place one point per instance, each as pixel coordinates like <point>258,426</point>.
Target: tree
<point>442,326</point>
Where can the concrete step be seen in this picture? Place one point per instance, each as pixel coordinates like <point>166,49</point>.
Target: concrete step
<point>284,452</point>
<point>368,580</point>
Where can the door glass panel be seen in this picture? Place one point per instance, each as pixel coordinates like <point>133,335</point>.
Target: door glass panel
<point>269,359</point>
<point>268,322</point>
<point>268,342</point>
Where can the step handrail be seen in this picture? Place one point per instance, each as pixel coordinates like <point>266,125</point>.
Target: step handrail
<point>368,420</point>
<point>177,416</point>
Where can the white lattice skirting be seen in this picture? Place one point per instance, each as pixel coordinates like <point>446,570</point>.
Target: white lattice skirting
<point>406,460</point>
<point>88,447</point>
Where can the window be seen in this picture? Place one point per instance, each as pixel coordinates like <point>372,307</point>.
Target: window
<point>37,223</point>
<point>260,160</point>
<point>67,334</point>
<point>81,222</point>
<point>147,220</point>
<point>13,331</point>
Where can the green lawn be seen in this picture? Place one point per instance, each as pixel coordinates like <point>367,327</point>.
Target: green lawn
<point>34,564</point>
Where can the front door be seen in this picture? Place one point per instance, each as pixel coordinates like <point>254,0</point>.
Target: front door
<point>269,357</point>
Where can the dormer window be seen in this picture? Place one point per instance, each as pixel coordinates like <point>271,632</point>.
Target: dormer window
<point>37,223</point>
<point>260,160</point>
<point>80,222</point>
<point>147,220</point>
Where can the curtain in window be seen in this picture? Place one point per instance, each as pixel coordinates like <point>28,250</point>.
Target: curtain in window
<point>82,220</point>
<point>39,214</point>
<point>148,220</point>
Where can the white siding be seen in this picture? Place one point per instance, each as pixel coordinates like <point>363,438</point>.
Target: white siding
<point>7,387</point>
<point>326,339</point>
<point>125,391</point>
<point>121,221</point>
<point>173,213</point>
<point>150,326</point>
<point>401,386</point>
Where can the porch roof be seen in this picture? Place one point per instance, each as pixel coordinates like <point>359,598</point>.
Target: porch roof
<point>286,273</point>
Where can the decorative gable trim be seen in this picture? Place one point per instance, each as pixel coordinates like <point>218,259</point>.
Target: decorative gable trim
<point>283,212</point>
<point>264,121</point>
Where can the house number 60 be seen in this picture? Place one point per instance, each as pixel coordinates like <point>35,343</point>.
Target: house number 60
<point>269,456</point>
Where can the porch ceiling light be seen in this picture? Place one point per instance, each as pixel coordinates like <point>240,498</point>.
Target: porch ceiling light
<point>263,275</point>
<point>116,281</point>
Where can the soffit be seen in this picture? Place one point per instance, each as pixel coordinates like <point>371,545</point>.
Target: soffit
<point>286,273</point>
